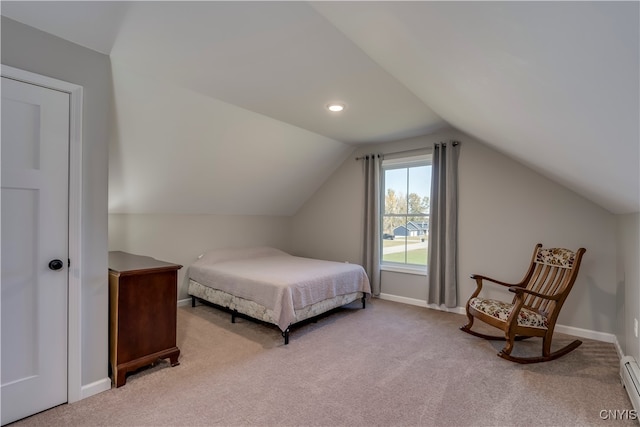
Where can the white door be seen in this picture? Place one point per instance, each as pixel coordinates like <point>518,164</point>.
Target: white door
<point>35,217</point>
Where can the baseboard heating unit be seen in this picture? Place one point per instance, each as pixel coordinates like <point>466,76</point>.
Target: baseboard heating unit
<point>630,376</point>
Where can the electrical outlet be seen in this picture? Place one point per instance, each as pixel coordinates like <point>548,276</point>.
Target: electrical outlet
<point>635,327</point>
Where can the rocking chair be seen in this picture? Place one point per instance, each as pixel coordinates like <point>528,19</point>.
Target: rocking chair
<point>535,306</point>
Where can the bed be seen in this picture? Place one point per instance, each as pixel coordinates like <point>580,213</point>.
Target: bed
<point>272,286</point>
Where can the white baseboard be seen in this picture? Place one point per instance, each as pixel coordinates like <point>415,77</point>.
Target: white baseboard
<point>586,333</point>
<point>95,388</point>
<point>404,300</point>
<point>183,302</point>
<point>619,349</point>
<point>421,303</point>
<point>570,330</point>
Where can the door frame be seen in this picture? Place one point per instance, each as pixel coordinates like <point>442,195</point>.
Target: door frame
<point>74,304</point>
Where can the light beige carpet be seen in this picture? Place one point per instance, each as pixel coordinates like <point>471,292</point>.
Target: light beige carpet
<point>388,365</point>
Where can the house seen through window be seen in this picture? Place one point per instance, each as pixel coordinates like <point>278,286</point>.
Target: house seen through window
<point>405,216</point>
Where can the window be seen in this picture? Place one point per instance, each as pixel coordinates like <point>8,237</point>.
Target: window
<point>405,217</point>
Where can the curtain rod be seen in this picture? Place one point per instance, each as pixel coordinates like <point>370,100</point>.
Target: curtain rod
<point>454,143</point>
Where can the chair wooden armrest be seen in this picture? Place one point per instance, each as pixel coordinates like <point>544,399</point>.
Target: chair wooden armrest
<point>520,291</point>
<point>480,278</point>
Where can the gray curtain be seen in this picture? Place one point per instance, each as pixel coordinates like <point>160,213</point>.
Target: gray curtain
<point>372,165</point>
<point>443,226</point>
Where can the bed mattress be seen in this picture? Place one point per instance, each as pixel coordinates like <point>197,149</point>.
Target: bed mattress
<point>275,286</point>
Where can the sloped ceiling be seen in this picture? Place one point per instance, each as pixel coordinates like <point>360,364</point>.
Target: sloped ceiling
<point>229,96</point>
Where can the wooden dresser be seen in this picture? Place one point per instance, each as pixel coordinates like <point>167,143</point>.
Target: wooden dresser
<point>142,313</point>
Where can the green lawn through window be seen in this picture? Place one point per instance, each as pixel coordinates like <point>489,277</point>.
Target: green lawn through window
<point>416,256</point>
<point>413,257</point>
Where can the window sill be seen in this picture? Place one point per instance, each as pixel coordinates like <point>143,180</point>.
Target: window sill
<point>418,271</point>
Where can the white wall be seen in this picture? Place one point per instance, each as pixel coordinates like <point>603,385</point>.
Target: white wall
<point>32,50</point>
<point>181,239</point>
<point>628,283</point>
<point>505,208</point>
<point>177,151</point>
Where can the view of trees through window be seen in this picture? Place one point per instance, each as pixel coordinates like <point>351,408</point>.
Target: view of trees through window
<point>405,220</point>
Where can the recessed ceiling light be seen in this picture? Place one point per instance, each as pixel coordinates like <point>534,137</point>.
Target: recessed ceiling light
<point>336,107</point>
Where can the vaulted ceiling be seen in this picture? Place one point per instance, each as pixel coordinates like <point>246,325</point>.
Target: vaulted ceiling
<point>232,95</point>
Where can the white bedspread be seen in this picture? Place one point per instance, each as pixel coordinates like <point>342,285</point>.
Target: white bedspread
<point>277,280</point>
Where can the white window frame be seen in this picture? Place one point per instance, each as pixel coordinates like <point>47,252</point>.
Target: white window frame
<point>398,163</point>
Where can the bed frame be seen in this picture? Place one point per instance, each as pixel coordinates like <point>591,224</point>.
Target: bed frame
<point>253,311</point>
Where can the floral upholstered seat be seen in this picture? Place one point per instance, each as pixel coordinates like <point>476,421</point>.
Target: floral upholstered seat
<point>501,310</point>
